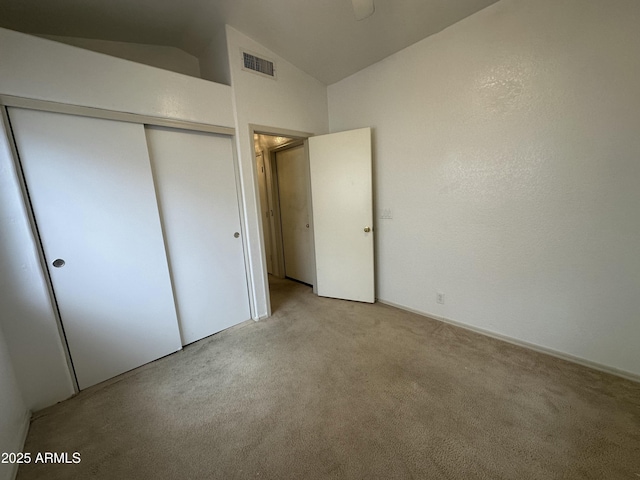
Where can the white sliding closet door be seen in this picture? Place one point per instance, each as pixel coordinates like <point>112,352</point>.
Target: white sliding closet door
<point>196,184</point>
<point>92,192</point>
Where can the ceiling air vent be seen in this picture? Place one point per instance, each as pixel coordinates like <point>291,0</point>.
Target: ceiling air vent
<point>259,65</point>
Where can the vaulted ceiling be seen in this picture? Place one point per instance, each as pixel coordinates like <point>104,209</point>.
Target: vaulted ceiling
<point>321,37</point>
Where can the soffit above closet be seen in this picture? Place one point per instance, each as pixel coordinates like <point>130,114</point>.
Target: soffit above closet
<point>321,38</point>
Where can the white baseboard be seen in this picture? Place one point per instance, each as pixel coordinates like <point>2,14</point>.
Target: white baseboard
<point>521,343</point>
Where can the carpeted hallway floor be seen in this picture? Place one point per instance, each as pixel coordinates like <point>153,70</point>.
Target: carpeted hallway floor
<point>333,389</point>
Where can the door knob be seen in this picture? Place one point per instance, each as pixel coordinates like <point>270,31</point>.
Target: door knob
<point>236,234</point>
<point>367,229</point>
<point>58,263</point>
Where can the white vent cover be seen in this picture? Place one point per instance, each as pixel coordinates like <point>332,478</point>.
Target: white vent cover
<point>259,65</point>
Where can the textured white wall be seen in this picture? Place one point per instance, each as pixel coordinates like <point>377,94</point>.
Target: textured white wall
<point>167,58</point>
<point>214,60</point>
<point>14,416</point>
<point>507,147</point>
<point>293,101</point>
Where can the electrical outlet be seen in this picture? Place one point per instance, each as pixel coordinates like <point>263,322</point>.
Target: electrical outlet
<point>386,213</point>
<point>440,298</point>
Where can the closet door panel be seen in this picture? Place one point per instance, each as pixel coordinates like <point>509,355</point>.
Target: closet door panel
<point>91,188</point>
<point>196,184</point>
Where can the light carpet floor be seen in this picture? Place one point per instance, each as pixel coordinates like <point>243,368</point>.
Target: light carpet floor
<point>333,389</point>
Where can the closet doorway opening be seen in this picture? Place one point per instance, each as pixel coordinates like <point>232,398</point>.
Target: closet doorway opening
<point>284,191</point>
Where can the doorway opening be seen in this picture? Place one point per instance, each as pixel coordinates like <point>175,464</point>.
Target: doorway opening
<point>334,233</point>
<point>284,193</point>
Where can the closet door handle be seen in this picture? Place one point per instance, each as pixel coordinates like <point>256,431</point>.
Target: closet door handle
<point>58,263</point>
<point>236,235</point>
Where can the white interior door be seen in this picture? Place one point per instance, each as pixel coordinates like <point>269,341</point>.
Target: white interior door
<point>92,192</point>
<point>341,193</point>
<point>196,183</point>
<point>293,192</point>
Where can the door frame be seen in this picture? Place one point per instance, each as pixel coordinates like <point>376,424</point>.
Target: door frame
<point>298,136</point>
<point>93,112</point>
